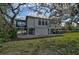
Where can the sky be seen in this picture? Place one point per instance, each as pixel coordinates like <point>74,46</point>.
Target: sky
<point>25,12</point>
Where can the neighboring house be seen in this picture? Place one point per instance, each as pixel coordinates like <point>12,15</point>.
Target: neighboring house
<point>39,25</point>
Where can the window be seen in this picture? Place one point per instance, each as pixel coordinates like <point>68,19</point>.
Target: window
<point>43,22</point>
<point>20,24</point>
<point>46,23</point>
<point>31,31</point>
<point>39,22</point>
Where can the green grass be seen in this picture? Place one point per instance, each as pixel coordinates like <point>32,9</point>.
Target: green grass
<point>64,45</point>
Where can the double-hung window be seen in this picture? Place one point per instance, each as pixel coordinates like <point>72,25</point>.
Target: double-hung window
<point>39,22</point>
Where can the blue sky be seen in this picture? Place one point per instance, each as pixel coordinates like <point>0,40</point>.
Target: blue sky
<point>25,12</point>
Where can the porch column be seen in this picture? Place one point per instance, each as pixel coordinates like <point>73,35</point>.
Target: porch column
<point>27,31</point>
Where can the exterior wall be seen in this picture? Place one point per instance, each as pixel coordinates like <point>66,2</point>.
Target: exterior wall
<point>41,31</point>
<point>31,23</point>
<point>36,23</point>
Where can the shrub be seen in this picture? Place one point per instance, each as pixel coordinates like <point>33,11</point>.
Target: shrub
<point>1,41</point>
<point>13,33</point>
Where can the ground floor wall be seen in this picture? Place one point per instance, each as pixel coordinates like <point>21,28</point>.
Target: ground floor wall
<point>41,31</point>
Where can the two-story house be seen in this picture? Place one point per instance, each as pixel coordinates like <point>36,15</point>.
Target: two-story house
<point>39,25</point>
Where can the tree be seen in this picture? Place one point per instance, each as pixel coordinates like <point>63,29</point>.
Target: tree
<point>8,26</point>
<point>3,27</point>
<point>10,8</point>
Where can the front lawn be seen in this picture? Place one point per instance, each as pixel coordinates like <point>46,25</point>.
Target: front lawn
<point>67,45</point>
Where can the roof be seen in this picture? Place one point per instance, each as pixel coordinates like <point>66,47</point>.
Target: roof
<point>41,17</point>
